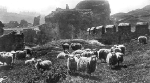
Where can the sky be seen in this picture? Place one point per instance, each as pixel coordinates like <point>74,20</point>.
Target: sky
<point>46,6</point>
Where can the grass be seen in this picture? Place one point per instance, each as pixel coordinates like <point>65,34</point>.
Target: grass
<point>135,68</point>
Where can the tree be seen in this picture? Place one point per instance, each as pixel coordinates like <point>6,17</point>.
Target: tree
<point>23,23</point>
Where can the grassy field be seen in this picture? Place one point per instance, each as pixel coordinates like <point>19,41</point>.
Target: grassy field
<point>135,68</point>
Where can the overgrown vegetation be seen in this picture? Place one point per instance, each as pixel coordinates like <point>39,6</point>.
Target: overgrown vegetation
<point>135,67</point>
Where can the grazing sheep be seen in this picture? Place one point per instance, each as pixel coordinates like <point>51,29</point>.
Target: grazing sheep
<point>92,64</point>
<point>14,55</point>
<point>21,54</point>
<point>119,57</point>
<point>72,64</point>
<point>88,49</point>
<point>6,58</point>
<point>31,61</point>
<point>65,46</point>
<point>142,39</point>
<point>78,52</point>
<point>76,46</point>
<point>29,51</point>
<point>2,79</point>
<point>77,55</point>
<point>44,65</point>
<point>82,64</point>
<point>102,54</point>
<point>87,54</point>
<point>62,55</point>
<point>115,48</point>
<point>123,48</point>
<point>112,59</point>
<point>87,64</point>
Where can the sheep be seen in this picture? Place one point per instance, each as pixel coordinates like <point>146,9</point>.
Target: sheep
<point>102,54</point>
<point>142,39</point>
<point>14,55</point>
<point>87,64</point>
<point>119,57</point>
<point>21,54</point>
<point>44,65</point>
<point>82,53</point>
<point>92,64</point>
<point>87,54</point>
<point>31,61</point>
<point>112,59</point>
<point>2,79</point>
<point>77,55</point>
<point>72,64</point>
<point>123,48</point>
<point>118,48</point>
<point>88,49</point>
<point>62,55</point>
<point>65,46</point>
<point>76,46</point>
<point>82,64</point>
<point>6,58</point>
<point>29,51</point>
<point>78,52</point>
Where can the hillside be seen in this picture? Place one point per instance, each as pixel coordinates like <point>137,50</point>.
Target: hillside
<point>142,14</point>
<point>135,68</point>
<point>5,17</point>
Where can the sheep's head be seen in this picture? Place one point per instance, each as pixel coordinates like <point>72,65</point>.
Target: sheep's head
<point>67,55</point>
<point>77,55</point>
<point>94,58</point>
<point>38,60</point>
<point>66,51</point>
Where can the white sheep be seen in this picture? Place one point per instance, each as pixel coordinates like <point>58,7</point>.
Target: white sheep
<point>112,59</point>
<point>6,58</point>
<point>77,55</point>
<point>78,52</point>
<point>87,54</point>
<point>119,57</point>
<point>72,64</point>
<point>87,49</point>
<point>31,61</point>
<point>122,47</point>
<point>116,49</point>
<point>102,54</point>
<point>87,64</point>
<point>44,65</point>
<point>61,55</point>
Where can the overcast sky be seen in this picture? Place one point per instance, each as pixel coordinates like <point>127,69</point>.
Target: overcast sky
<point>46,6</point>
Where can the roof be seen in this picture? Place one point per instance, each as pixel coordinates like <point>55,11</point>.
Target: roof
<point>141,23</point>
<point>124,24</point>
<point>92,28</point>
<point>99,27</point>
<point>110,26</point>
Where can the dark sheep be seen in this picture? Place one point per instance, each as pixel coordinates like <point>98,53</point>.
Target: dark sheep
<point>142,39</point>
<point>76,46</point>
<point>65,46</point>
